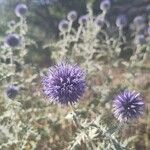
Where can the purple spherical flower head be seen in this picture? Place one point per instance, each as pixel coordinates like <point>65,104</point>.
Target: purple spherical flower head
<point>121,21</point>
<point>64,83</point>
<point>105,5</point>
<point>83,19</point>
<point>63,25</point>
<point>127,106</point>
<point>72,16</point>
<point>139,20</point>
<point>21,10</point>
<point>11,91</point>
<point>12,40</point>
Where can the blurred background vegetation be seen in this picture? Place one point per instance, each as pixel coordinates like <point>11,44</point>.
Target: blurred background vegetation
<point>43,19</point>
<point>46,14</point>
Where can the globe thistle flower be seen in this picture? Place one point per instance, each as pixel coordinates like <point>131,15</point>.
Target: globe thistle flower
<point>121,21</point>
<point>140,39</point>
<point>11,91</point>
<point>72,16</point>
<point>99,22</point>
<point>139,23</point>
<point>64,83</point>
<point>139,20</point>
<point>128,105</point>
<point>83,20</point>
<point>105,5</point>
<point>63,25</point>
<point>21,10</point>
<point>12,40</point>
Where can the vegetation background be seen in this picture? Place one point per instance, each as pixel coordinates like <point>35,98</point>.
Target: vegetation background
<point>43,20</point>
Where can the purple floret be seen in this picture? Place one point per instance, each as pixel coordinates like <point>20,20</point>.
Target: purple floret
<point>64,83</point>
<point>128,105</point>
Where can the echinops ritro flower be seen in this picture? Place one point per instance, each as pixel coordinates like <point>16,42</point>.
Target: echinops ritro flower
<point>72,15</point>
<point>121,21</point>
<point>105,5</point>
<point>64,83</point>
<point>128,105</point>
<point>83,19</point>
<point>63,25</point>
<point>21,10</point>
<point>11,91</point>
<point>12,40</point>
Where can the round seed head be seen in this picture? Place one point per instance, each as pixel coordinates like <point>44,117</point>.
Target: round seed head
<point>72,16</point>
<point>21,10</point>
<point>127,106</point>
<point>12,40</point>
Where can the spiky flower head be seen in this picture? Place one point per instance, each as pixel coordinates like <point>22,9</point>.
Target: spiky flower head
<point>83,20</point>
<point>12,91</point>
<point>72,15</point>
<point>105,5</point>
<point>128,105</point>
<point>12,40</point>
<point>63,25</point>
<point>140,39</point>
<point>139,20</point>
<point>64,83</point>
<point>121,21</point>
<point>21,10</point>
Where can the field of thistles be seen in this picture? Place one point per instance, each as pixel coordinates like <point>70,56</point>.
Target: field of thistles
<point>83,86</point>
